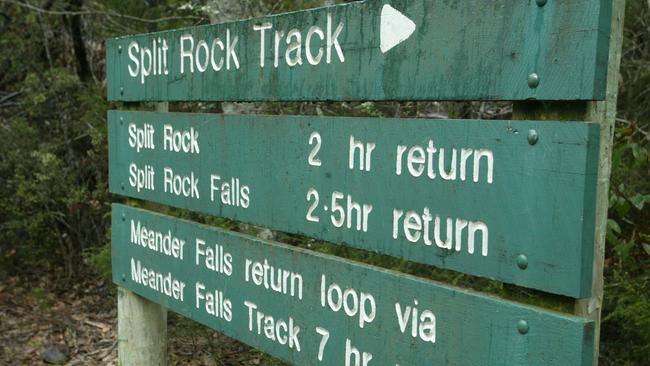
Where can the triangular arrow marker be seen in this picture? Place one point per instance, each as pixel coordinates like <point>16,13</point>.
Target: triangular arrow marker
<point>395,28</point>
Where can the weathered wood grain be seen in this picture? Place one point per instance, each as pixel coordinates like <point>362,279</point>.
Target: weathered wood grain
<point>460,50</point>
<point>470,328</point>
<point>141,330</point>
<point>538,209</point>
<point>604,113</point>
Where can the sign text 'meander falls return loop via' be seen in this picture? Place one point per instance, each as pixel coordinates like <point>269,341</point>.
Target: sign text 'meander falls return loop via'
<point>521,202</point>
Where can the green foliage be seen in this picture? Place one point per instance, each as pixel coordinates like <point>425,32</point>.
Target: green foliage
<point>54,206</point>
<point>42,298</point>
<point>627,315</point>
<point>54,168</point>
<point>99,259</point>
<point>634,99</point>
<point>626,308</point>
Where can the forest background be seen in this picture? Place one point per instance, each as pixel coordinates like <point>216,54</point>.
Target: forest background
<point>55,208</point>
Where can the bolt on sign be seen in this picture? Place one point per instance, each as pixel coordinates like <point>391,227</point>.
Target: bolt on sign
<point>514,201</point>
<point>480,198</point>
<point>310,308</point>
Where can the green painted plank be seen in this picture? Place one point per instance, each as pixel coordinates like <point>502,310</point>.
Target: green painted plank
<point>537,202</point>
<point>441,49</point>
<point>453,326</point>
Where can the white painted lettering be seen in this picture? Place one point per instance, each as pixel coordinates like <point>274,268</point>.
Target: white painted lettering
<point>262,28</point>
<point>187,53</point>
<point>314,60</point>
<point>332,40</point>
<point>295,46</point>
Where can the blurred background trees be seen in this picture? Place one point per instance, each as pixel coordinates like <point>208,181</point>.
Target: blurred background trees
<point>54,205</point>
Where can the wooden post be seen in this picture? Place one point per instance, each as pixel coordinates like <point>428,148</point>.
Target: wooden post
<point>141,330</point>
<point>141,324</point>
<point>603,112</point>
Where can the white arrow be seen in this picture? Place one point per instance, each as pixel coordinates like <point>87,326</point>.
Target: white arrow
<point>395,28</point>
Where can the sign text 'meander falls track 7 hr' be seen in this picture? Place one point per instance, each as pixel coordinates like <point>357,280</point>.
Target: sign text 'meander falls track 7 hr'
<point>314,309</point>
<point>522,202</point>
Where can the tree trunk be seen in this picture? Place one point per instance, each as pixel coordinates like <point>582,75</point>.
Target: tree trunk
<point>83,67</point>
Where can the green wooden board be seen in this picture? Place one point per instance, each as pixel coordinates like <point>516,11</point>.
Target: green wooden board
<point>374,50</point>
<point>354,306</point>
<point>532,203</point>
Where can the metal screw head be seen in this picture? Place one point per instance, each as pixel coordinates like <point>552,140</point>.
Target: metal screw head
<point>533,137</point>
<point>533,80</point>
<point>119,48</point>
<point>522,326</point>
<point>121,120</point>
<point>123,277</point>
<point>121,90</point>
<point>122,185</point>
<point>123,217</point>
<point>541,3</point>
<point>522,261</point>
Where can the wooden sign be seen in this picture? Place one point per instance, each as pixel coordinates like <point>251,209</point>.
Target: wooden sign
<point>376,50</point>
<point>313,309</point>
<point>510,200</point>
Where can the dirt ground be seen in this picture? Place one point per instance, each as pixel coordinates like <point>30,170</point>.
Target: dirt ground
<point>79,320</point>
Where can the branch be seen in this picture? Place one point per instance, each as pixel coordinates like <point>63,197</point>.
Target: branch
<point>101,13</point>
<point>8,96</point>
<point>5,99</point>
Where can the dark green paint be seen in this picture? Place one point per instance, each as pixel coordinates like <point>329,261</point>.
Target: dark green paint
<point>471,328</point>
<point>540,204</point>
<point>461,50</point>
